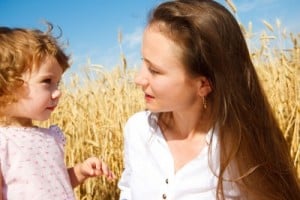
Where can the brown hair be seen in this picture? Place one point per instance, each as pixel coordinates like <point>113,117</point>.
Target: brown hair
<point>250,138</point>
<point>23,50</point>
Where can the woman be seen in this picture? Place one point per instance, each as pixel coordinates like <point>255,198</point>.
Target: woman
<point>209,131</point>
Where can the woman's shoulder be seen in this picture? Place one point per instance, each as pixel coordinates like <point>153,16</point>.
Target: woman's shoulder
<point>139,116</point>
<point>143,118</point>
<point>141,124</point>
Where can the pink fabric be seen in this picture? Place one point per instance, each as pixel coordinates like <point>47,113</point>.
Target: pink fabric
<point>32,164</point>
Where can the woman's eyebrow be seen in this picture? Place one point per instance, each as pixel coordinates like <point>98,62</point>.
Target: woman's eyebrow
<point>150,63</point>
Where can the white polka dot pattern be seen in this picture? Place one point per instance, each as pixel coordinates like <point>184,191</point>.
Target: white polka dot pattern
<point>32,164</point>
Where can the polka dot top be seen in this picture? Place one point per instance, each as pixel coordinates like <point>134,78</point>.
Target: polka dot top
<point>32,164</point>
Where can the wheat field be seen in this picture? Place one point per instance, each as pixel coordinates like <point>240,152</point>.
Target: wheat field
<point>95,105</point>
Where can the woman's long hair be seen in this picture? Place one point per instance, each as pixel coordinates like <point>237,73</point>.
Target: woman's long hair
<point>250,138</point>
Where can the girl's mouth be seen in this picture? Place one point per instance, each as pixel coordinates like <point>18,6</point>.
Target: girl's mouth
<point>51,108</point>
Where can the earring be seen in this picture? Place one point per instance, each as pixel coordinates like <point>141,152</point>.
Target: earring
<point>204,102</point>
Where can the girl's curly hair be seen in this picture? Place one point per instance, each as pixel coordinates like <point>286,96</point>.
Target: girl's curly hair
<point>24,50</point>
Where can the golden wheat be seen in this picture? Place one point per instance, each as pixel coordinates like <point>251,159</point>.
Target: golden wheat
<point>94,108</point>
<point>92,114</point>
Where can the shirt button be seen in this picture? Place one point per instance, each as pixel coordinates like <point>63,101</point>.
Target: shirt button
<point>167,181</point>
<point>164,196</point>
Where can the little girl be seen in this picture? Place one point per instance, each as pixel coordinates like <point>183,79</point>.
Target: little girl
<point>32,158</point>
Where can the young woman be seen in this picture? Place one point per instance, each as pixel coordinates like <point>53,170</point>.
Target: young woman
<point>208,132</point>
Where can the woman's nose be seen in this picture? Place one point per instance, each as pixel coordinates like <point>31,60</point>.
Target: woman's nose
<point>140,78</point>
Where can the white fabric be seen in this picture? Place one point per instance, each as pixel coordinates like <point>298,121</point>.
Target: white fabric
<point>149,166</point>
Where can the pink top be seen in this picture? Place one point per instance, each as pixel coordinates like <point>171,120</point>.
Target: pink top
<point>32,164</point>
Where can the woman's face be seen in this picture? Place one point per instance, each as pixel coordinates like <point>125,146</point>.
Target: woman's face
<point>163,77</point>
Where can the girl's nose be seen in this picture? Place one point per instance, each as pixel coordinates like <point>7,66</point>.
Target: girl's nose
<point>56,93</point>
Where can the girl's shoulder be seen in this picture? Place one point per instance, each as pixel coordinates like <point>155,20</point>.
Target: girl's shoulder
<point>57,133</point>
<point>31,132</point>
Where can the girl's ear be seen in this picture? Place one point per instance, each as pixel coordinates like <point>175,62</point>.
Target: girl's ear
<point>204,86</point>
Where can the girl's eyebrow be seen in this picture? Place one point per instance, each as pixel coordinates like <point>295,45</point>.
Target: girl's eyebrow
<point>49,75</point>
<point>46,75</point>
<point>43,76</point>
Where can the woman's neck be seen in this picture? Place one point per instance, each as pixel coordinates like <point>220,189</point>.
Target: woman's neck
<point>185,125</point>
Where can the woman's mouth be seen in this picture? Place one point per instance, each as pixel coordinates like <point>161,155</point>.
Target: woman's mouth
<point>148,97</point>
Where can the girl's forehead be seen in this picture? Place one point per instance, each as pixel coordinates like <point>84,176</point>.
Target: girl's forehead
<point>49,65</point>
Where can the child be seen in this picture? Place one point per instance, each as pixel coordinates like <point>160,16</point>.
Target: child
<point>32,158</point>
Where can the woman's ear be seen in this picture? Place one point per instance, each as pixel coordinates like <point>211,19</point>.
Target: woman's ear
<point>204,86</point>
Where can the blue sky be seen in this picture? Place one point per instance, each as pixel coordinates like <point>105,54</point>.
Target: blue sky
<point>91,26</point>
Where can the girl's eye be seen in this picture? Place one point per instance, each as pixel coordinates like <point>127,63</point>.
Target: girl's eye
<point>47,80</point>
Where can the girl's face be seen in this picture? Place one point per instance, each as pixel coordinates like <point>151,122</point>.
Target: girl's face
<point>163,77</point>
<point>39,95</point>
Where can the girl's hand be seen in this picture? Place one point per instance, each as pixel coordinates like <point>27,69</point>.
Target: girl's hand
<point>94,166</point>
<point>91,167</point>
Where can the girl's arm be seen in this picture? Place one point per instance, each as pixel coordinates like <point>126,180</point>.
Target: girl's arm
<point>91,167</point>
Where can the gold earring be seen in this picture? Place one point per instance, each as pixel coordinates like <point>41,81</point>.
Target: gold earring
<point>204,102</point>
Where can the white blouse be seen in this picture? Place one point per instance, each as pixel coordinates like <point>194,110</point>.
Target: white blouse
<point>149,172</point>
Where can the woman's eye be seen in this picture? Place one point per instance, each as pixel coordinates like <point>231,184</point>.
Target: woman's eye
<point>153,71</point>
